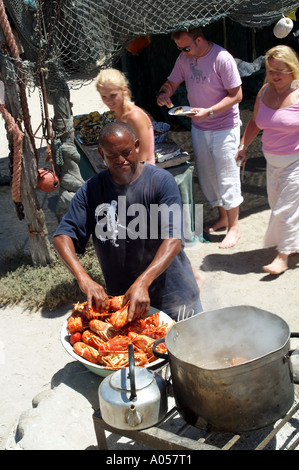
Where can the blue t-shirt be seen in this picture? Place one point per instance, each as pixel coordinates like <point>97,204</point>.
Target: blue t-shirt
<point>128,224</point>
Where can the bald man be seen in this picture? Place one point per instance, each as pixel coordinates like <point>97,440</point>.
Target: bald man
<point>133,212</point>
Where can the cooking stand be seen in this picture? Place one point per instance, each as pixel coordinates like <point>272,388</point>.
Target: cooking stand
<point>162,437</point>
<point>155,436</point>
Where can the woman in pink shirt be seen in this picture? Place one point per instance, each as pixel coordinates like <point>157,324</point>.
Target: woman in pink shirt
<point>116,94</point>
<point>276,112</point>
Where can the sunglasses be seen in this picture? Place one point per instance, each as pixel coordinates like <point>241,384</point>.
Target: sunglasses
<point>284,71</point>
<point>188,48</point>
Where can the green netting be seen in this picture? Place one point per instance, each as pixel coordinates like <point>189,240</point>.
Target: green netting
<point>74,38</point>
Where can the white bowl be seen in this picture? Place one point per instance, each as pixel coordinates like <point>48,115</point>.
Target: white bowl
<point>100,370</point>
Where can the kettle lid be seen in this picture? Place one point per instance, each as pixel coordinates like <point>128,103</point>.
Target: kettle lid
<point>121,379</point>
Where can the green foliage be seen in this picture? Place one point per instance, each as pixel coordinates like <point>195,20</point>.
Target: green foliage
<point>47,287</point>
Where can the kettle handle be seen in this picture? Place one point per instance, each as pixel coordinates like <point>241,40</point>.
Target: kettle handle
<point>156,353</point>
<point>132,372</point>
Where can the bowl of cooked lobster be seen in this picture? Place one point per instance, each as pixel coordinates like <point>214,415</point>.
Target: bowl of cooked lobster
<point>100,340</point>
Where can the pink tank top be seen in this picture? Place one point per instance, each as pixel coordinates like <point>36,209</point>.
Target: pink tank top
<point>280,129</point>
<point>151,139</point>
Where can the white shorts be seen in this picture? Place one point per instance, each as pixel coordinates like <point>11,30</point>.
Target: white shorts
<point>283,190</point>
<point>218,174</point>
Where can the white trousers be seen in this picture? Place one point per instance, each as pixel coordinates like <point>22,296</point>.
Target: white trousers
<point>218,174</point>
<point>283,197</point>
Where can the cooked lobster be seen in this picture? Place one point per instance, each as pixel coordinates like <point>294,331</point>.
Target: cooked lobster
<point>105,336</point>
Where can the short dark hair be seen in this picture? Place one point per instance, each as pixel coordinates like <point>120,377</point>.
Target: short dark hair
<point>193,33</point>
<point>113,128</point>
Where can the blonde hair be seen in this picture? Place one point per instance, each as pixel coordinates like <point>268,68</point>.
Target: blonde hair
<point>113,77</point>
<point>286,55</point>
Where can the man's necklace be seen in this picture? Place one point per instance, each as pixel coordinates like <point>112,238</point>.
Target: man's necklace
<point>205,52</point>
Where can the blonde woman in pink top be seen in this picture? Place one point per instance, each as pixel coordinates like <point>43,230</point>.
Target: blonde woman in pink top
<point>115,92</point>
<point>276,112</point>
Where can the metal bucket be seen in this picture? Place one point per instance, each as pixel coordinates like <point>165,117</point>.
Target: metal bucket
<point>231,369</point>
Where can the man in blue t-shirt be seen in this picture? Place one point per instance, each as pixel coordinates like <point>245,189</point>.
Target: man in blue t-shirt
<point>133,212</point>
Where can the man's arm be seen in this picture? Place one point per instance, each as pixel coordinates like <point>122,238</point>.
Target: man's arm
<point>95,293</point>
<point>234,96</point>
<point>166,91</point>
<point>138,292</point>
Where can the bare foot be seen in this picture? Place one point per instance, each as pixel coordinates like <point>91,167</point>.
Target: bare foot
<point>278,266</point>
<point>218,225</point>
<point>231,238</point>
<point>200,279</point>
<point>221,222</point>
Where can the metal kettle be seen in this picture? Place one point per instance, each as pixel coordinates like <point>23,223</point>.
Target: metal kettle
<point>133,398</point>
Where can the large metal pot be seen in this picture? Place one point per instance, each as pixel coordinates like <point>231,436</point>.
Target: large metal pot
<point>213,394</point>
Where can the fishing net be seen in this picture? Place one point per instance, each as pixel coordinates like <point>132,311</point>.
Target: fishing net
<point>73,39</point>
<point>63,44</point>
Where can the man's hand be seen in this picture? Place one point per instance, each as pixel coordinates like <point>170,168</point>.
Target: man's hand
<point>139,299</point>
<point>95,294</point>
<point>201,113</point>
<point>163,99</point>
<point>138,292</point>
<point>166,91</point>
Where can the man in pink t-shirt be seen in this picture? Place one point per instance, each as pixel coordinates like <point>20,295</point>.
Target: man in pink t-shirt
<point>214,90</point>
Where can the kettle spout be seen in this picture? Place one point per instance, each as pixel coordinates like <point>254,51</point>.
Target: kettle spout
<point>134,417</point>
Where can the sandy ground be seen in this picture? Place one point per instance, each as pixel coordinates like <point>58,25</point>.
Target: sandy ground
<point>30,349</point>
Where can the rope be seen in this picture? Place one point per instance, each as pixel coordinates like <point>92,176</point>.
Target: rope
<point>14,51</point>
<point>17,152</point>
<point>7,32</point>
<point>10,121</point>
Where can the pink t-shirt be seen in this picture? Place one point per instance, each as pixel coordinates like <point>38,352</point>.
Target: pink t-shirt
<point>280,129</point>
<point>207,79</point>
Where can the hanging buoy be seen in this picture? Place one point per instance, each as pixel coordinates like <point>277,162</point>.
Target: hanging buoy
<point>47,180</point>
<point>138,44</point>
<point>283,27</point>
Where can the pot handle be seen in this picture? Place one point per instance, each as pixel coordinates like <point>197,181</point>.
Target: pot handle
<point>294,335</point>
<point>132,372</point>
<point>156,353</point>
<point>292,351</point>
